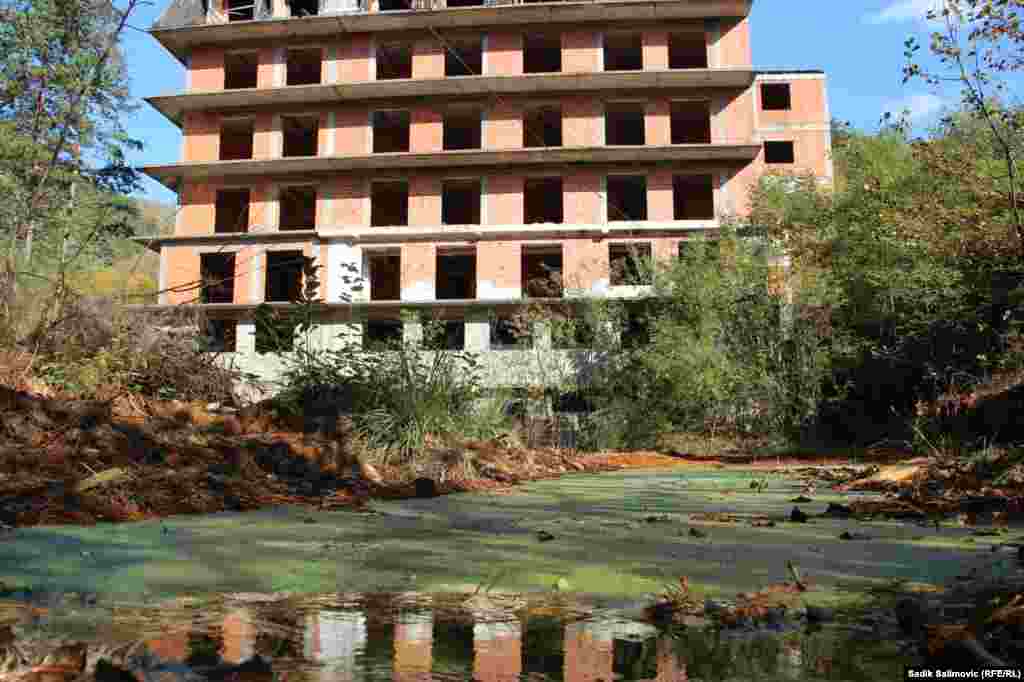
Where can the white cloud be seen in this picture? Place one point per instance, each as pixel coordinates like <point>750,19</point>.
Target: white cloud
<point>904,10</point>
<point>920,107</point>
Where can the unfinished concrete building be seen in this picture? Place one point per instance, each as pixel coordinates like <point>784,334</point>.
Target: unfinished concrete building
<point>459,159</point>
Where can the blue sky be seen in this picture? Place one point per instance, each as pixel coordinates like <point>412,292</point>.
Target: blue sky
<point>859,45</point>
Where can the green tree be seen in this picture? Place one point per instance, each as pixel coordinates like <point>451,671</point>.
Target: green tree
<point>63,92</point>
<point>978,44</point>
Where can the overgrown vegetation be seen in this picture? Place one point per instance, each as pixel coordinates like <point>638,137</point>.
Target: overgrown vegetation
<point>401,397</point>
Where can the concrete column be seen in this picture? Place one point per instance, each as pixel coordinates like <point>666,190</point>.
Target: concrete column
<point>542,335</point>
<point>245,337</point>
<point>497,652</point>
<point>478,331</point>
<point>334,639</point>
<point>670,668</point>
<point>412,333</point>
<point>589,654</point>
<point>414,634</point>
<point>419,272</point>
<point>239,636</point>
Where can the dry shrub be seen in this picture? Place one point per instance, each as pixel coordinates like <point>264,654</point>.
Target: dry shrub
<point>94,349</point>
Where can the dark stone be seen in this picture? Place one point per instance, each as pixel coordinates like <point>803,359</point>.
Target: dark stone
<point>797,516</point>
<point>847,535</point>
<point>425,487</point>
<point>801,500</point>
<point>697,533</point>
<point>911,615</point>
<point>309,519</point>
<point>840,510</point>
<point>817,614</point>
<point>232,502</point>
<point>108,672</point>
<point>219,469</point>
<point>544,536</point>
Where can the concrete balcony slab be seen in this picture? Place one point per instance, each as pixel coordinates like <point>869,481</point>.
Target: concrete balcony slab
<point>725,155</point>
<point>384,92</point>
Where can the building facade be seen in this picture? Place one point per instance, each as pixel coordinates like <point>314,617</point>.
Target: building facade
<point>454,159</point>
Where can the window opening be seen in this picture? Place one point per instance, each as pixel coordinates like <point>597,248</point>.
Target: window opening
<point>623,52</point>
<point>303,66</point>
<point>298,208</point>
<point>542,127</point>
<point>508,333</point>
<point>464,58</point>
<point>231,211</point>
<point>218,275</point>
<point>542,272</point>
<point>691,123</point>
<point>460,202</point>
<point>456,276</point>
<point>542,200</point>
<point>624,123</point>
<point>389,203</point>
<point>283,277</point>
<point>380,335</point>
<point>542,53</point>
<point>693,197</point>
<point>240,70</point>
<point>627,197</point>
<point>630,264</point>
<point>461,129</point>
<point>779,152</point>
<point>301,135</point>
<point>687,50</point>
<point>394,61</point>
<point>304,8</point>
<point>236,137</point>
<point>385,276</point>
<point>776,97</point>
<point>390,131</point>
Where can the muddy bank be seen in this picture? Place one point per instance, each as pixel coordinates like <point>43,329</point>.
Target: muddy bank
<point>83,462</point>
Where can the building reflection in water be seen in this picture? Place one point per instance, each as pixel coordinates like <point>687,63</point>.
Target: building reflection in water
<point>334,639</point>
<point>414,646</point>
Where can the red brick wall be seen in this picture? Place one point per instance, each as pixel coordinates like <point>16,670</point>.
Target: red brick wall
<point>655,50</point>
<point>426,132</point>
<point>424,200</point>
<point>354,63</point>
<point>585,261</point>
<point>582,122</point>
<point>581,51</point>
<point>206,69</point>
<point>503,128</point>
<point>201,132</point>
<point>427,59</point>
<point>498,263</point>
<point>504,56</point>
<point>504,200</point>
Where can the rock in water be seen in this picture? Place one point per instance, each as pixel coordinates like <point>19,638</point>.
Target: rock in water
<point>425,487</point>
<point>797,516</point>
<point>839,510</point>
<point>544,536</point>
